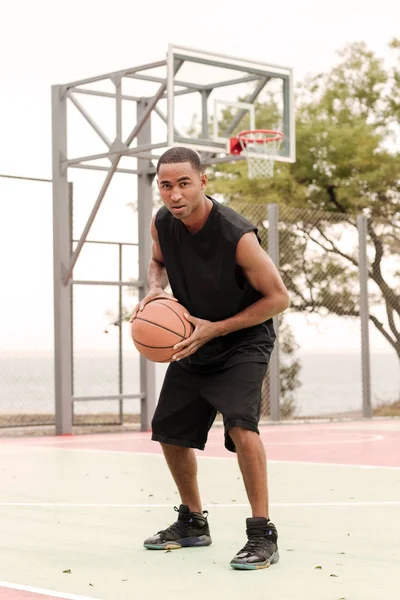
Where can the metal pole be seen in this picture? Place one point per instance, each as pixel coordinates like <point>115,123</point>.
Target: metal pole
<point>120,351</point>
<point>118,108</point>
<point>286,115</point>
<point>71,249</point>
<point>61,251</point>
<point>362,225</point>
<point>122,73</point>
<point>274,375</point>
<point>145,211</point>
<point>204,113</point>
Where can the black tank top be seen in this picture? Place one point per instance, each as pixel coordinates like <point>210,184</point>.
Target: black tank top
<point>205,278</point>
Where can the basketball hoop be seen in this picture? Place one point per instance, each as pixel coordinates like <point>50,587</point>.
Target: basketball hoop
<point>259,146</point>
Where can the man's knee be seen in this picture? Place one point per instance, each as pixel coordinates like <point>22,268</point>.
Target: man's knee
<point>241,435</point>
<point>174,449</point>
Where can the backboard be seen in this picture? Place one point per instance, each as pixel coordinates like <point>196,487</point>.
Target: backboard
<point>212,97</point>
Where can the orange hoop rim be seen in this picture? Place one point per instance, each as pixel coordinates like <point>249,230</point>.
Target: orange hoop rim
<point>277,136</point>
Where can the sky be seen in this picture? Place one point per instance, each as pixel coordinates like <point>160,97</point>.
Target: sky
<point>49,42</point>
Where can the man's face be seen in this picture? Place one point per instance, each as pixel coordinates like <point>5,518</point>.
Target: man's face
<point>181,188</point>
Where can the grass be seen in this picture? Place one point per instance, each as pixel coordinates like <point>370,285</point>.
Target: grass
<point>387,409</point>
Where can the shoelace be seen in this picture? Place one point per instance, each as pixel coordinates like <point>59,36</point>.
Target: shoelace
<point>176,528</point>
<point>256,543</point>
<point>179,526</point>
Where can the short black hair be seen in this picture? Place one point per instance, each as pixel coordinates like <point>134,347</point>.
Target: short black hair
<point>180,154</point>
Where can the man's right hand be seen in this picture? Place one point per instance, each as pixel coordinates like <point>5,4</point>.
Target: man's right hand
<point>152,295</point>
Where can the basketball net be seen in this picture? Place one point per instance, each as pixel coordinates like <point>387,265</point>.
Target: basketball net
<point>259,148</point>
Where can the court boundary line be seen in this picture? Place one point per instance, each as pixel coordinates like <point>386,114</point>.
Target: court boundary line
<point>43,592</point>
<point>203,457</point>
<point>368,438</point>
<point>139,436</point>
<point>328,464</point>
<point>208,505</point>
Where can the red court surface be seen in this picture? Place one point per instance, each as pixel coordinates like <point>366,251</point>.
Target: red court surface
<point>9,593</point>
<point>363,443</point>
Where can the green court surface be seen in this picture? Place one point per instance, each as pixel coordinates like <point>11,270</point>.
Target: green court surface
<point>71,505</point>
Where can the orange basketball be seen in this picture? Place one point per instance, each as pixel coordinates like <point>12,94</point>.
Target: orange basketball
<point>158,327</point>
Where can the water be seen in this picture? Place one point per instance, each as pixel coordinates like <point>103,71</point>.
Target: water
<point>331,382</point>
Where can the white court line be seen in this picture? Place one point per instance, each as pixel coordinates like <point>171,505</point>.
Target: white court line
<point>329,464</point>
<point>67,442</point>
<point>106,438</point>
<point>212,505</point>
<point>70,439</point>
<point>205,457</point>
<point>367,438</point>
<point>34,590</point>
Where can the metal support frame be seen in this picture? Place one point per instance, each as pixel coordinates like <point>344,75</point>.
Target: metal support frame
<point>139,146</point>
<point>135,132</point>
<point>120,284</point>
<point>62,255</point>
<point>289,117</point>
<point>204,113</point>
<point>362,226</point>
<point>274,372</point>
<point>234,64</point>
<point>145,210</point>
<point>65,259</point>
<point>252,72</point>
<point>123,73</point>
<point>120,339</point>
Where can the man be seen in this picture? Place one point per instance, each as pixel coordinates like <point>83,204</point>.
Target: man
<point>218,271</point>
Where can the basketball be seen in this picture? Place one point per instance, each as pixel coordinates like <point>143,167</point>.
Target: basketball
<point>158,327</point>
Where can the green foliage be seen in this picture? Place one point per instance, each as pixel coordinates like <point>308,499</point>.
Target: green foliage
<point>346,157</point>
<point>348,162</point>
<point>289,368</point>
<point>289,371</point>
<point>393,110</point>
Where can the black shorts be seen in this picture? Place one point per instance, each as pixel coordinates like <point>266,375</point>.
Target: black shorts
<point>189,402</point>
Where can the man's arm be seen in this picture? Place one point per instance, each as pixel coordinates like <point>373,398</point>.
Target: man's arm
<point>262,274</point>
<point>156,274</point>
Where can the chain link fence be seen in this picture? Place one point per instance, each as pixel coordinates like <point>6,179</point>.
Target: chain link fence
<point>26,305</point>
<point>105,363</point>
<point>320,352</point>
<point>383,250</point>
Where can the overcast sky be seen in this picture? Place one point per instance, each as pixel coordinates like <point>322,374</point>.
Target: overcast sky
<point>48,42</point>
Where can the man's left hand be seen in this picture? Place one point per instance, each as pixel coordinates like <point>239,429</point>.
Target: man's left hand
<point>204,331</point>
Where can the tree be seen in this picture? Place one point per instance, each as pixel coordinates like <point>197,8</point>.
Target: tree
<point>289,370</point>
<point>393,111</point>
<point>348,162</point>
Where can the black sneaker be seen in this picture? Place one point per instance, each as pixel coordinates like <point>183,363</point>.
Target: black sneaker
<point>191,529</point>
<point>261,550</point>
